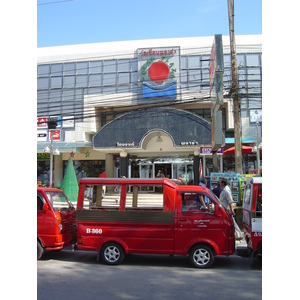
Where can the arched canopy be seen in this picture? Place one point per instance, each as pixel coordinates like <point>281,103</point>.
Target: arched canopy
<point>130,129</point>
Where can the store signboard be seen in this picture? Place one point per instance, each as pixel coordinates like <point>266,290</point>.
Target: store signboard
<point>255,115</point>
<point>158,74</point>
<point>56,135</point>
<point>42,135</point>
<point>42,122</point>
<point>208,150</point>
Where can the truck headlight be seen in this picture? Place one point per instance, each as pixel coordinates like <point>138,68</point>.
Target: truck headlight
<point>60,227</point>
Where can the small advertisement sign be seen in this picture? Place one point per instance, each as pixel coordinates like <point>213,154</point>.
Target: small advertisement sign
<point>56,135</point>
<point>42,122</point>
<point>256,116</point>
<point>208,150</point>
<point>42,135</point>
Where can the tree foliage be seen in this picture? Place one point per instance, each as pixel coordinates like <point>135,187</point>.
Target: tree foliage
<point>70,184</point>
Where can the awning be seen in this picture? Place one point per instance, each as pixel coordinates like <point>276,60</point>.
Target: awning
<point>130,129</point>
<point>244,140</point>
<point>63,147</point>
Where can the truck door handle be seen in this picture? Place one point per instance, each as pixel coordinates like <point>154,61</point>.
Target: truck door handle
<point>183,220</point>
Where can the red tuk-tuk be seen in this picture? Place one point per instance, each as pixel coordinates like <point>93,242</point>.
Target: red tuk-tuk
<point>56,220</point>
<point>252,217</point>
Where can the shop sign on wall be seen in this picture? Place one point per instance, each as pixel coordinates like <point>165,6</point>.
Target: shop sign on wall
<point>208,150</point>
<point>158,72</point>
<point>42,135</point>
<point>42,122</point>
<point>256,116</point>
<point>56,135</point>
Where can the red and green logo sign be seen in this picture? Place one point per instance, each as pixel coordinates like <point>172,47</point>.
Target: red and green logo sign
<point>158,69</point>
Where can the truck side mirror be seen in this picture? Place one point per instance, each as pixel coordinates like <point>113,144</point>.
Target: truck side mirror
<point>45,207</point>
<point>218,211</point>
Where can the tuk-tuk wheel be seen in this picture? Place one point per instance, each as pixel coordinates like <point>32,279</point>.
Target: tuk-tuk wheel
<point>201,256</point>
<point>40,250</point>
<point>112,253</point>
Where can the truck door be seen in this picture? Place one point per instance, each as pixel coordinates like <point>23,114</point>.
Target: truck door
<point>195,224</point>
<point>45,222</point>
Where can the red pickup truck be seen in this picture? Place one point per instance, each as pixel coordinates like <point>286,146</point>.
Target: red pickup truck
<point>252,217</point>
<point>56,220</point>
<point>174,223</point>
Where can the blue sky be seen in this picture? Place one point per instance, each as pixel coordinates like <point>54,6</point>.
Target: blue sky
<point>66,22</point>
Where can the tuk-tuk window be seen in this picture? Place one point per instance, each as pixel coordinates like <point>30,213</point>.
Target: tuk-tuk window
<point>196,202</point>
<point>259,202</point>
<point>40,202</point>
<point>247,194</point>
<point>96,196</point>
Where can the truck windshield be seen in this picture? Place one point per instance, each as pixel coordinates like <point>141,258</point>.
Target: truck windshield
<point>59,201</point>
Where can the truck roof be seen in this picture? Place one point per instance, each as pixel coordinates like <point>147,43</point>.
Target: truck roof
<point>131,181</point>
<point>254,180</point>
<point>48,189</point>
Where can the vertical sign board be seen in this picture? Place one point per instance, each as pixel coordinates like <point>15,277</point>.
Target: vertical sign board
<point>158,72</point>
<point>216,69</point>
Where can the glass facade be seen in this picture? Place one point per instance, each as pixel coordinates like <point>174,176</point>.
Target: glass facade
<point>62,88</point>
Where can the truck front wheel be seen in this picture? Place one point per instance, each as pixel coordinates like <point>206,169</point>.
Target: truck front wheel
<point>112,253</point>
<point>201,256</point>
<point>40,250</point>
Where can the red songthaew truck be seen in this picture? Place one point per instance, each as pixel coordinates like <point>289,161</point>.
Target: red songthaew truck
<point>252,217</point>
<point>171,221</point>
<point>56,220</point>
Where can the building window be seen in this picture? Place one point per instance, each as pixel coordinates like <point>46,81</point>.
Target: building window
<point>69,69</point>
<point>109,66</point>
<point>56,70</point>
<point>43,83</point>
<point>124,78</point>
<point>95,80</point>
<point>253,60</point>
<point>69,81</point>
<point>124,65</point>
<point>82,68</point>
<point>95,67</point>
<point>56,82</point>
<point>82,81</point>
<point>43,70</point>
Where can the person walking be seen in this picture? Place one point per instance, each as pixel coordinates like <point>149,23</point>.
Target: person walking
<point>225,196</point>
<point>227,201</point>
<point>203,183</point>
<point>217,190</point>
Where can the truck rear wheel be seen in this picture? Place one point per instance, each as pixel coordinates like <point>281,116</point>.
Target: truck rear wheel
<point>201,256</point>
<point>112,253</point>
<point>40,250</point>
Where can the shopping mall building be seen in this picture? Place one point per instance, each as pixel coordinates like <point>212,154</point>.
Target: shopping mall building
<point>136,107</point>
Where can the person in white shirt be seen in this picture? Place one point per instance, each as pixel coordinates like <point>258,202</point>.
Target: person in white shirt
<point>225,196</point>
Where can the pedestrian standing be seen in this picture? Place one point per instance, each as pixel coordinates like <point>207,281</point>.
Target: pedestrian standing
<point>225,196</point>
<point>217,190</point>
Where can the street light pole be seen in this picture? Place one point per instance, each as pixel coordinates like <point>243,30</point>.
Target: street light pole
<point>51,158</point>
<point>234,91</point>
<point>52,123</point>
<point>257,152</point>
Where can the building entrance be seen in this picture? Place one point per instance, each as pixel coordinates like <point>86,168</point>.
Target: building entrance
<point>172,168</point>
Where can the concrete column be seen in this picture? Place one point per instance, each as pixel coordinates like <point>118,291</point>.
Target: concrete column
<point>196,167</point>
<point>58,170</point>
<point>123,164</point>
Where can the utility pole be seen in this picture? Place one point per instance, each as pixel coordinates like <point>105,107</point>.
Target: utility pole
<point>234,91</point>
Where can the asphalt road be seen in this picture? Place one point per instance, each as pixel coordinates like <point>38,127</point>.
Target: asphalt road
<point>78,275</point>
